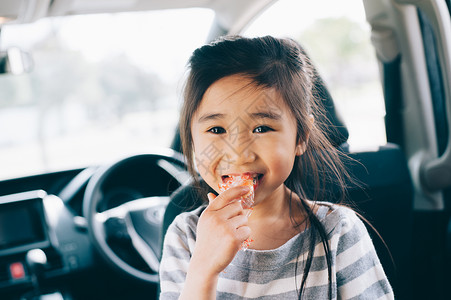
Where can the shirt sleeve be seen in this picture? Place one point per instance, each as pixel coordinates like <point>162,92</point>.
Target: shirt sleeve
<point>177,248</point>
<point>359,272</point>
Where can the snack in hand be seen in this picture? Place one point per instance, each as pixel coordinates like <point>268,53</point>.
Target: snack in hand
<point>247,201</point>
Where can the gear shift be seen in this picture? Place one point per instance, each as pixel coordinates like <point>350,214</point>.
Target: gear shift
<point>36,261</point>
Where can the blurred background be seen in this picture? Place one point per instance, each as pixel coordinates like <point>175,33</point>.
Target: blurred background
<point>122,92</point>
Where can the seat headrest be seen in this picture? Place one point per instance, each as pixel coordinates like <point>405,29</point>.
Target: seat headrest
<point>337,131</point>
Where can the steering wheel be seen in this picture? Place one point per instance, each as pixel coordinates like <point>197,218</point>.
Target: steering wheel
<point>139,220</point>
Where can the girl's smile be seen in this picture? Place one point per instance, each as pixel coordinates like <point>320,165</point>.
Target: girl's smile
<point>242,128</point>
<point>256,176</point>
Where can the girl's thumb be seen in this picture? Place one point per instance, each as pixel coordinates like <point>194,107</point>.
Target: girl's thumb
<point>211,197</point>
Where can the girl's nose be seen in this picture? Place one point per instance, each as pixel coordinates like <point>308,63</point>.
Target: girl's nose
<point>242,154</point>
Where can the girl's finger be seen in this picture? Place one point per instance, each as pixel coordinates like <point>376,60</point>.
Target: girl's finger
<point>243,233</point>
<point>211,197</point>
<point>232,209</point>
<point>226,197</point>
<point>239,221</point>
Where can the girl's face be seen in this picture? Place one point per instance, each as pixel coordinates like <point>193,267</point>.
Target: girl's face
<point>239,128</point>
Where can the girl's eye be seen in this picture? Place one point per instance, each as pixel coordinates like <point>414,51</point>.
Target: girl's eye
<point>216,130</point>
<point>262,129</point>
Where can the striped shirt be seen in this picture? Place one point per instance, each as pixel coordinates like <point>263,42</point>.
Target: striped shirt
<point>270,274</point>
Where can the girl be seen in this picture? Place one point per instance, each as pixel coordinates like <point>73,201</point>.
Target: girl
<point>250,110</point>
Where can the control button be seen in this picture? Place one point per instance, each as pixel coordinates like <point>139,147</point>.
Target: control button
<point>68,247</point>
<point>17,270</point>
<point>73,262</point>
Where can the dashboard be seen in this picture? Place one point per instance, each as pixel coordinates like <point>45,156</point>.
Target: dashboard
<point>48,212</point>
<point>35,220</point>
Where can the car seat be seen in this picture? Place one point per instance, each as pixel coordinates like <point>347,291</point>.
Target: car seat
<point>384,197</point>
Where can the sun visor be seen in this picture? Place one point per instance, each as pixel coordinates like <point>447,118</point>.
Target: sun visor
<point>22,11</point>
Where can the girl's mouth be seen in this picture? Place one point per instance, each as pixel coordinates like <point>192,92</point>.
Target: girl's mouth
<point>257,177</point>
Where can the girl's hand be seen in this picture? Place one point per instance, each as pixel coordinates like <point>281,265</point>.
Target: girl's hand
<point>221,229</point>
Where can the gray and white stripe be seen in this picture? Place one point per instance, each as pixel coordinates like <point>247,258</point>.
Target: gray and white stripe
<point>270,274</point>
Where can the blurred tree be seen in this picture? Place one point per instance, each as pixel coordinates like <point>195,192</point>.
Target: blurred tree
<point>340,49</point>
<point>63,79</point>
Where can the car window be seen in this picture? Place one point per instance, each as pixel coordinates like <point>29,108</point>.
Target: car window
<point>102,87</point>
<point>337,38</point>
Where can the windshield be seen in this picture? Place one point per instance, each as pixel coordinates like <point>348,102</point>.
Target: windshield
<point>102,87</point>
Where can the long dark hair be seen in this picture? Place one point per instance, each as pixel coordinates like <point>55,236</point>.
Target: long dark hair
<point>283,65</point>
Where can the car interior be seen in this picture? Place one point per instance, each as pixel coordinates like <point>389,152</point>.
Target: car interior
<point>94,229</point>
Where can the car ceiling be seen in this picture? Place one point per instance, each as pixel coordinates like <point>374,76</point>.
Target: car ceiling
<point>231,15</point>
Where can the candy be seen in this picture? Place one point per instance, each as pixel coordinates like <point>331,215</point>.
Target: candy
<point>247,201</point>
